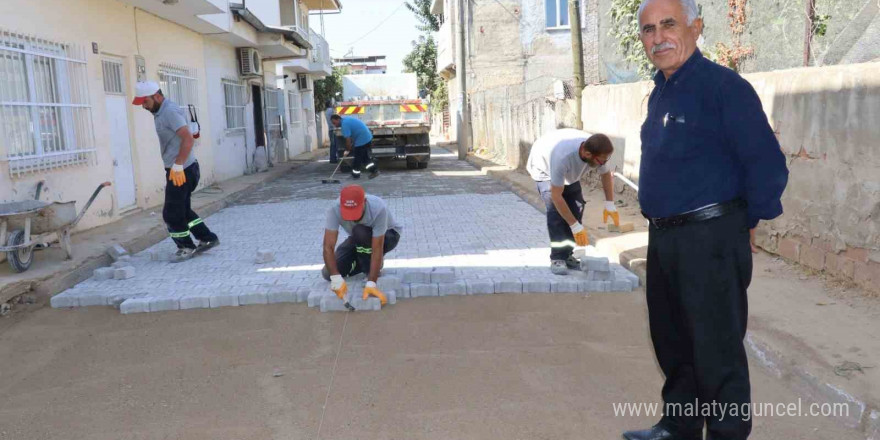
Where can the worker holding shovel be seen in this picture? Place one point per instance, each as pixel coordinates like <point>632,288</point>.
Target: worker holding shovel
<point>372,233</point>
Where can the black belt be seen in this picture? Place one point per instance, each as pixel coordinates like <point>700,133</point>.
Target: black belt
<point>702,214</point>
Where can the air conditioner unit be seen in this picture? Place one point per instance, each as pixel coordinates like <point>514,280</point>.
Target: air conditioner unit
<point>250,61</point>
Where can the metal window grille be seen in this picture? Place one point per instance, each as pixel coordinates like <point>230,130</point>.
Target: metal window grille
<point>273,121</point>
<point>113,83</point>
<point>295,106</point>
<point>233,91</point>
<point>45,113</point>
<point>179,84</point>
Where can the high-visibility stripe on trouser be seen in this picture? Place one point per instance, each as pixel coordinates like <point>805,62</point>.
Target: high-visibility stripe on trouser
<point>179,234</point>
<point>355,171</point>
<point>561,244</point>
<point>364,250</point>
<point>370,166</point>
<point>194,223</point>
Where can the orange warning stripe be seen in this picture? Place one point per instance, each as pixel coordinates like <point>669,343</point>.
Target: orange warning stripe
<point>413,108</point>
<point>350,110</point>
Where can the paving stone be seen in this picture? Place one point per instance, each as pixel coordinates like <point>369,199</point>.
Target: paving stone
<point>135,305</point>
<point>252,297</point>
<point>314,298</point>
<point>120,264</point>
<point>591,286</point>
<point>442,275</point>
<point>508,286</point>
<point>403,291</point>
<point>302,294</point>
<point>416,276</point>
<point>195,301</point>
<point>418,290</point>
<point>124,273</point>
<point>391,295</point>
<point>91,298</point>
<point>388,283</point>
<point>116,251</point>
<point>599,276</point>
<point>103,273</point>
<point>621,272</point>
<point>595,264</point>
<point>116,299</point>
<point>624,227</point>
<point>332,304</point>
<point>63,300</point>
<point>454,288</point>
<point>535,286</point>
<point>163,304</point>
<point>224,299</point>
<point>480,287</point>
<point>565,286</point>
<point>281,294</point>
<point>265,256</point>
<point>368,304</point>
<point>620,285</point>
<point>159,255</point>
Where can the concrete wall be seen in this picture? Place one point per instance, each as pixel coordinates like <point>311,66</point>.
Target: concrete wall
<point>826,122</point>
<point>230,147</point>
<point>110,24</point>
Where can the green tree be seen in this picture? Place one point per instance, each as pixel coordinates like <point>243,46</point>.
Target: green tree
<point>423,62</point>
<point>625,30</point>
<point>329,88</point>
<point>422,10</point>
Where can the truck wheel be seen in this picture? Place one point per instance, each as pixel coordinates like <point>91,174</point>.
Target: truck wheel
<point>423,165</point>
<point>20,259</point>
<point>412,164</point>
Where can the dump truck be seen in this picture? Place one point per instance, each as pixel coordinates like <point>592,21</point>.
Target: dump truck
<point>390,106</point>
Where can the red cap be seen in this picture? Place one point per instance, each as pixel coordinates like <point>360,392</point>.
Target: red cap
<point>351,202</point>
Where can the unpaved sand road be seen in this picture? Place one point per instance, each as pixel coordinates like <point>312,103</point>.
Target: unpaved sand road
<point>493,367</point>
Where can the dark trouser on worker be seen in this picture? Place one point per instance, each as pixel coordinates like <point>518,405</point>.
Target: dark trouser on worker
<point>334,157</point>
<point>180,218</point>
<point>561,239</point>
<point>363,161</point>
<point>354,254</point>
<point>697,278</point>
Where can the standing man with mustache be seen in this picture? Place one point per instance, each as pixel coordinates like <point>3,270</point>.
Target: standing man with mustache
<point>711,168</point>
<point>181,172</point>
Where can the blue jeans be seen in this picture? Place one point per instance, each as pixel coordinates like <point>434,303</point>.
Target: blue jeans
<point>333,151</point>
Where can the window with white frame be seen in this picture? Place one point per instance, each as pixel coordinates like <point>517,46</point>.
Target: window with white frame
<point>45,113</point>
<point>295,108</point>
<point>557,13</point>
<point>233,92</point>
<point>181,85</point>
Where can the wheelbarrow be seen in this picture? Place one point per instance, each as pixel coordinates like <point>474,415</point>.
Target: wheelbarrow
<point>34,224</point>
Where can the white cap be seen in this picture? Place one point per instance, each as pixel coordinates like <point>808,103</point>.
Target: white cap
<point>144,89</point>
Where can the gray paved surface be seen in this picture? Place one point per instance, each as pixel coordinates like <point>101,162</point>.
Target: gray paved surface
<point>453,217</point>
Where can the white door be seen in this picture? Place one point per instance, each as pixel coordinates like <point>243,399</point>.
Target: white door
<point>120,142</point>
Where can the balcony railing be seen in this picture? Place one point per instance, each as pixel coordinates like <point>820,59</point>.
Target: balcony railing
<point>319,56</point>
<point>445,47</point>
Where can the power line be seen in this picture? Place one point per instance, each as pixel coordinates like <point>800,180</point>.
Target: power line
<point>378,25</point>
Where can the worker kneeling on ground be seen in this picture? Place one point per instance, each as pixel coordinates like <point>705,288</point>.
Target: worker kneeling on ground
<point>556,163</point>
<point>372,233</point>
<point>359,142</point>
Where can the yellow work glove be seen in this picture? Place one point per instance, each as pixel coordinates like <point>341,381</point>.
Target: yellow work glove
<point>370,289</point>
<point>611,211</point>
<point>177,176</point>
<point>338,286</point>
<point>580,234</point>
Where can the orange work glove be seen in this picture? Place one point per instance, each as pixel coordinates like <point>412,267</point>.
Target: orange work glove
<point>177,176</point>
<point>580,234</point>
<point>611,211</point>
<point>338,286</point>
<point>370,289</point>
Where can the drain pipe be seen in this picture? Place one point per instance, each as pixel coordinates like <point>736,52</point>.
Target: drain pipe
<point>626,181</point>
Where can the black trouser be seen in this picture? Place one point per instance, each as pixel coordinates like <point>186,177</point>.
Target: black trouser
<point>698,274</point>
<point>561,239</point>
<point>178,214</point>
<point>363,159</point>
<point>353,255</point>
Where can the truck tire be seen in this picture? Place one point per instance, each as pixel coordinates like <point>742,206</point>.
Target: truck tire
<point>412,164</point>
<point>422,165</point>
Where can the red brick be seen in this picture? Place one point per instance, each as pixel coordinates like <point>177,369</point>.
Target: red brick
<point>845,267</point>
<point>789,249</point>
<point>813,257</point>
<point>856,254</point>
<point>868,274</point>
<point>825,245</point>
<point>832,261</point>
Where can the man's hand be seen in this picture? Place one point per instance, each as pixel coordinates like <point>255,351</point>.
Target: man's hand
<point>338,286</point>
<point>370,289</point>
<point>580,234</point>
<point>177,176</point>
<point>752,241</point>
<point>610,211</point>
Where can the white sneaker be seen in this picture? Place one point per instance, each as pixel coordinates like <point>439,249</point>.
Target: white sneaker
<point>558,267</point>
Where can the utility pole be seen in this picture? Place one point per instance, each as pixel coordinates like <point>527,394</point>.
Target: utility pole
<point>462,115</point>
<point>808,30</point>
<point>577,53</point>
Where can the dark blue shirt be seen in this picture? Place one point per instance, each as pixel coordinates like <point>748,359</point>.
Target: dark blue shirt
<point>706,140</point>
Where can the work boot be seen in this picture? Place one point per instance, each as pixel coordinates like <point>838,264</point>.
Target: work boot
<point>355,175</point>
<point>207,244</point>
<point>573,263</point>
<point>558,267</point>
<point>374,173</point>
<point>183,254</point>
<point>656,432</point>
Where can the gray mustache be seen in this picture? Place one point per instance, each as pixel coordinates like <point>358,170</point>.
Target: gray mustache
<point>662,46</point>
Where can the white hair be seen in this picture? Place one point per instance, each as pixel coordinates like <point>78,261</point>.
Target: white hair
<point>688,6</point>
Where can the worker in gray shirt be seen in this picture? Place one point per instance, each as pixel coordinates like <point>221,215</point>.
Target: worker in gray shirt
<point>372,233</point>
<point>557,162</point>
<point>181,171</point>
